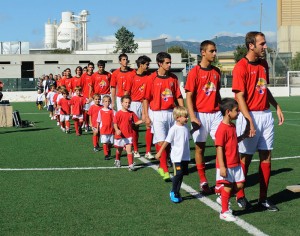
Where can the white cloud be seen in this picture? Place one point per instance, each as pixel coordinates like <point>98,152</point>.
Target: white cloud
<point>226,33</point>
<point>98,38</point>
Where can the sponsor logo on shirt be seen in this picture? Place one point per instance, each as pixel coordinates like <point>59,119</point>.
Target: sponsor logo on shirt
<point>261,85</point>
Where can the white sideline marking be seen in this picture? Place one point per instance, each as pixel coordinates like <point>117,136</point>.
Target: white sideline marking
<point>64,168</point>
<point>241,223</point>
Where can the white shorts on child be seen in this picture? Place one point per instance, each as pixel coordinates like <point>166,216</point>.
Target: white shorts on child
<point>107,138</point>
<point>64,118</point>
<point>234,175</point>
<point>119,105</point>
<point>79,117</point>
<point>122,142</point>
<point>210,123</point>
<point>264,137</point>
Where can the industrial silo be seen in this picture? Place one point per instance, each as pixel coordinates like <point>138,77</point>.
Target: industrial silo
<point>66,32</point>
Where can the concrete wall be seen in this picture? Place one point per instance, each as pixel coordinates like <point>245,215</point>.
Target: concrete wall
<point>225,92</point>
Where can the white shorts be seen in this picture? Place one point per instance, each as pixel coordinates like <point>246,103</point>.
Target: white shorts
<point>209,125</point>
<point>107,138</point>
<point>64,118</point>
<point>137,108</point>
<point>122,142</point>
<point>234,175</point>
<point>264,137</point>
<point>119,106</point>
<point>57,112</point>
<point>162,121</point>
<point>79,117</point>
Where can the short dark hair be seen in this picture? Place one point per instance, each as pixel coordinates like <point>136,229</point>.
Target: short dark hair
<point>101,63</point>
<point>142,60</point>
<point>161,56</point>
<point>125,97</point>
<point>227,104</point>
<point>251,37</point>
<point>123,55</point>
<point>205,43</point>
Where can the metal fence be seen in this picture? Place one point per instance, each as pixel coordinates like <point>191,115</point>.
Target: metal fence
<point>20,84</point>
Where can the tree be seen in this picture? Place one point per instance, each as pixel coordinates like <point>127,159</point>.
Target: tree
<point>185,54</point>
<point>240,52</point>
<point>125,42</point>
<point>295,63</point>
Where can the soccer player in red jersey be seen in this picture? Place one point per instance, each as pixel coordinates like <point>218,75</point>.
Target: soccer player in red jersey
<point>229,171</point>
<point>105,125</point>
<point>136,90</point>
<point>77,104</point>
<point>249,83</point>
<point>64,105</point>
<point>119,78</point>
<point>76,80</point>
<point>93,114</point>
<point>161,95</point>
<point>123,122</point>
<point>67,80</point>
<point>202,99</point>
<point>101,80</point>
<point>87,92</point>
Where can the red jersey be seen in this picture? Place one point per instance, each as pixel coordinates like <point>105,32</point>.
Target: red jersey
<point>105,118</point>
<point>125,120</point>
<point>76,81</point>
<point>252,79</point>
<point>55,98</point>
<point>68,83</point>
<point>65,104</point>
<point>101,83</point>
<point>162,91</point>
<point>87,83</point>
<point>226,137</point>
<point>77,103</point>
<point>93,112</point>
<point>119,79</point>
<point>136,87</point>
<point>205,85</point>
<point>59,82</point>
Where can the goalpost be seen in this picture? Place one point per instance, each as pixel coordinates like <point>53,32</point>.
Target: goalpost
<point>293,82</point>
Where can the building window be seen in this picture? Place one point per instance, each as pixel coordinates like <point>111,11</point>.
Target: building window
<point>84,62</point>
<point>51,62</point>
<point>5,62</point>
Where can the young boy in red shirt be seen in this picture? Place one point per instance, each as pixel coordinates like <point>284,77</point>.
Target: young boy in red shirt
<point>93,115</point>
<point>77,103</point>
<point>229,171</point>
<point>64,106</point>
<point>124,120</point>
<point>105,126</point>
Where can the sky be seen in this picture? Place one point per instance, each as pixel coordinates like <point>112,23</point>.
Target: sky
<point>192,20</point>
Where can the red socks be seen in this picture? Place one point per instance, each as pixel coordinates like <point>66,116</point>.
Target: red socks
<point>264,177</point>
<point>163,159</point>
<point>201,172</point>
<point>240,193</point>
<point>225,196</point>
<point>105,149</point>
<point>148,137</point>
<point>135,138</point>
<point>130,159</point>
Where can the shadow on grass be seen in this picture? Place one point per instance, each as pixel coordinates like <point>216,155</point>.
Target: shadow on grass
<point>252,179</point>
<point>28,129</point>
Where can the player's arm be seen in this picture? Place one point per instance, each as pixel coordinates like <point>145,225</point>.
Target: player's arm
<point>190,108</point>
<point>220,157</point>
<point>145,109</point>
<point>113,97</point>
<point>163,147</point>
<point>117,130</point>
<point>276,106</point>
<point>180,101</point>
<point>244,109</point>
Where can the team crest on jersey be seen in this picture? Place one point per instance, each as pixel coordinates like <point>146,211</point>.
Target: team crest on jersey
<point>209,88</point>
<point>166,94</point>
<point>102,84</point>
<point>261,85</point>
<point>141,89</point>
